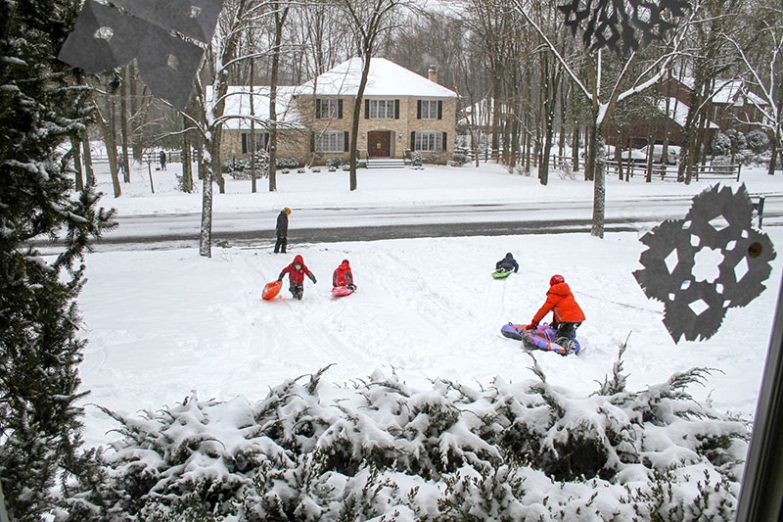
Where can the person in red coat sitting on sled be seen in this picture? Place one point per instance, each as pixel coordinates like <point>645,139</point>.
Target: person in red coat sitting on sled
<point>567,315</point>
<point>296,272</point>
<point>343,276</point>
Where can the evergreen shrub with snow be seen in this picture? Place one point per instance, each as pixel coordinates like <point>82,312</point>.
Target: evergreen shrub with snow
<point>758,141</point>
<point>381,450</point>
<point>721,144</point>
<point>42,108</point>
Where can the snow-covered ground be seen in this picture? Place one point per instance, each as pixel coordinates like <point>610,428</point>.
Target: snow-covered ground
<point>434,185</point>
<point>163,323</point>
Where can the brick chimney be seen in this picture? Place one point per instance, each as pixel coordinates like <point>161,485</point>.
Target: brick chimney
<point>432,73</point>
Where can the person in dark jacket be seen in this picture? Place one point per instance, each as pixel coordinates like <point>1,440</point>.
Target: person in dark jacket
<point>507,264</point>
<point>162,158</point>
<point>343,276</point>
<point>282,230</point>
<point>567,315</point>
<point>296,273</point>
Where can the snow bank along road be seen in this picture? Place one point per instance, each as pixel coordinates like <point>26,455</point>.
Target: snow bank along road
<point>163,323</point>
<point>313,225</point>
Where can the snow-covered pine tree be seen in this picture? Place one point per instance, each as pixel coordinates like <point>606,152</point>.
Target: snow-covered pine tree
<point>40,111</point>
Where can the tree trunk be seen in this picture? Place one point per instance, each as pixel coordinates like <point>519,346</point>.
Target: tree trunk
<point>495,112</point>
<point>280,17</point>
<point>125,88</point>
<point>357,111</point>
<point>253,146</point>
<point>111,152</point>
<point>599,186</point>
<point>618,156</point>
<point>187,165</point>
<point>514,145</point>
<point>137,146</point>
<point>575,148</point>
<point>87,159</point>
<point>77,165</point>
<point>650,154</point>
<point>215,159</point>
<point>592,143</point>
<point>773,159</point>
<point>205,238</point>
<point>200,158</point>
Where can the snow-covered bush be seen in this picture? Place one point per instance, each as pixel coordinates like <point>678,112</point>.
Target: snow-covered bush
<point>459,159</point>
<point>721,144</point>
<point>382,450</point>
<point>287,163</point>
<point>729,142</point>
<point>758,141</point>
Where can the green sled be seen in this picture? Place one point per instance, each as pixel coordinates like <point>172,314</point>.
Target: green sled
<point>501,275</point>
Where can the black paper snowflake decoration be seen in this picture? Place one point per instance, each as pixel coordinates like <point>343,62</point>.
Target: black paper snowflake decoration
<point>622,25</point>
<point>719,220</point>
<point>159,34</point>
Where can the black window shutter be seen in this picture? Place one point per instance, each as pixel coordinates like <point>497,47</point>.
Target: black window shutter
<point>418,109</point>
<point>440,109</point>
<point>396,109</point>
<point>340,109</point>
<point>445,142</point>
<point>244,143</point>
<point>317,109</point>
<point>366,109</point>
<point>413,140</point>
<point>312,142</point>
<point>346,141</point>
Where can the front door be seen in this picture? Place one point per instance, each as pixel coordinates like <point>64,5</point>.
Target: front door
<point>379,144</point>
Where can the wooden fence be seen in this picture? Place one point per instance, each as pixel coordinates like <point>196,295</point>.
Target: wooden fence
<point>670,172</point>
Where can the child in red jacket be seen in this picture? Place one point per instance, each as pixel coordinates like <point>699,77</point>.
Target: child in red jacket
<point>296,272</point>
<point>567,315</point>
<point>343,276</point>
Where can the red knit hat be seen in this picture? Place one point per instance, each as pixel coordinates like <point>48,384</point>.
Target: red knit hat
<point>556,279</point>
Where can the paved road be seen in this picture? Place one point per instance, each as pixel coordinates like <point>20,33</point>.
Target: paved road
<point>318,225</point>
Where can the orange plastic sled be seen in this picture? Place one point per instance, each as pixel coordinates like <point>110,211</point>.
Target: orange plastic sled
<point>271,290</point>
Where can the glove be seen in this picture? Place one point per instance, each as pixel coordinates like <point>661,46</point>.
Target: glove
<point>312,278</point>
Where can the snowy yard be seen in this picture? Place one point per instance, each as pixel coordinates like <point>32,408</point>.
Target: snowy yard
<point>489,183</point>
<point>163,323</point>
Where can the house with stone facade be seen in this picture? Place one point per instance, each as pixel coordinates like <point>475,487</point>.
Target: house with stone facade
<point>401,112</point>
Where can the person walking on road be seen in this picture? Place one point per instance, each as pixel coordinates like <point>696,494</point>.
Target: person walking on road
<point>162,159</point>
<point>282,231</point>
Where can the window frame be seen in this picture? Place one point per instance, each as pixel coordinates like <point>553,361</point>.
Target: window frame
<point>430,108</point>
<point>335,141</point>
<point>389,112</point>
<point>434,141</point>
<point>332,106</point>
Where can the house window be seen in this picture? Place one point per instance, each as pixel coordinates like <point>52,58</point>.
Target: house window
<point>428,141</point>
<point>382,109</point>
<point>328,109</point>
<point>429,109</point>
<point>331,141</point>
<point>259,139</point>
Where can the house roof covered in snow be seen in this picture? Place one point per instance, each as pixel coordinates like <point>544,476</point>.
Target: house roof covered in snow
<point>678,112</point>
<point>729,92</point>
<point>238,104</point>
<point>385,78</point>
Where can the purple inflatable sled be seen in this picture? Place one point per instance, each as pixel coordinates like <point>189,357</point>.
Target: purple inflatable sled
<point>542,337</point>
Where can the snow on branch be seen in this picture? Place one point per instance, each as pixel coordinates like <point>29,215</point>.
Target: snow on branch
<point>520,451</point>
